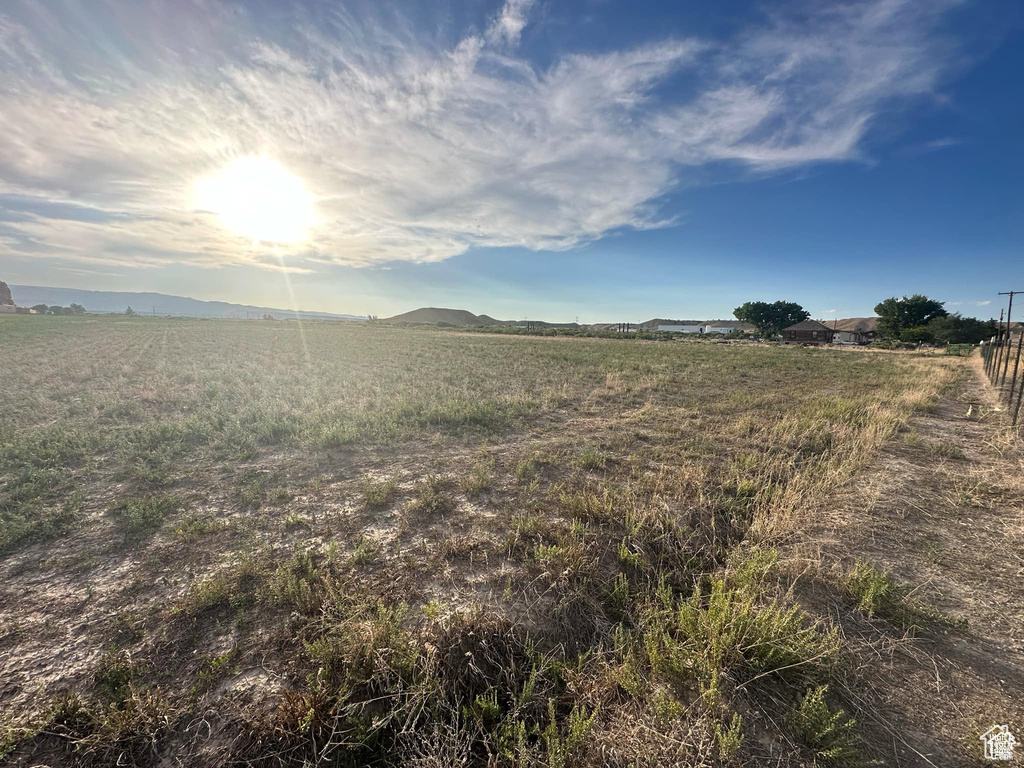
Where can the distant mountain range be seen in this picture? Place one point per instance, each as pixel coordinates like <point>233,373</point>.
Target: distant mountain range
<point>155,303</point>
<point>165,304</point>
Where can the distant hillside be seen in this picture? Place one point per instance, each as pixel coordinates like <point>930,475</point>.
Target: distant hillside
<point>156,303</point>
<point>863,324</point>
<point>435,315</point>
<point>464,318</point>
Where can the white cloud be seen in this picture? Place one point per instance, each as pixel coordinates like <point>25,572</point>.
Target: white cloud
<point>414,150</point>
<point>509,24</point>
<point>968,303</point>
<point>943,143</point>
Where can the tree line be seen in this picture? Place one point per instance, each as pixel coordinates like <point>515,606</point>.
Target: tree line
<point>915,319</point>
<point>43,309</point>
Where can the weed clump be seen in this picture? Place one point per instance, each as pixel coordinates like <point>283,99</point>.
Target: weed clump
<point>433,498</point>
<point>479,480</point>
<point>378,494</point>
<point>590,459</point>
<point>827,732</point>
<point>113,677</point>
<point>725,635</point>
<point>146,514</point>
<point>878,593</point>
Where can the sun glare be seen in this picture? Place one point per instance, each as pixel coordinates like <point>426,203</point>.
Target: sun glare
<point>257,198</point>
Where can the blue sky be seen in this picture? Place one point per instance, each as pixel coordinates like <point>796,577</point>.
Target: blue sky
<point>529,158</point>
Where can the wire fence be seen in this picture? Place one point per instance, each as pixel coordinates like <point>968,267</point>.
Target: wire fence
<point>1001,357</point>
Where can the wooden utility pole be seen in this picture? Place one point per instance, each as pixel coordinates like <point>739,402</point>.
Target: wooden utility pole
<point>999,348</point>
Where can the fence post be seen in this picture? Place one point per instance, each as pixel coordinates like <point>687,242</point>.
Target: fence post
<point>1016,367</point>
<point>1020,396</point>
<point>998,341</point>
<point>1009,340</point>
<point>999,348</point>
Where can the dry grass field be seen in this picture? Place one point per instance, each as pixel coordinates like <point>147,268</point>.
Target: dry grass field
<point>250,543</point>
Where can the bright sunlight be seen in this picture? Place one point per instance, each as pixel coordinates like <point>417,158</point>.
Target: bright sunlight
<point>258,198</point>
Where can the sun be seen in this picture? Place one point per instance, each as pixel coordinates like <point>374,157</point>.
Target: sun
<point>257,198</point>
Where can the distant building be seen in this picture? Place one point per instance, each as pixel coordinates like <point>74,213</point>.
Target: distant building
<point>848,337</point>
<point>867,327</point>
<point>8,309</point>
<point>713,326</point>
<point>682,328</point>
<point>808,332</point>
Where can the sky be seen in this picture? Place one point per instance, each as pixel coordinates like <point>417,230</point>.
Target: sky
<point>564,160</point>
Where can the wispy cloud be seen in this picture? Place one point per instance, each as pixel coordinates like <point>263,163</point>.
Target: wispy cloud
<point>934,145</point>
<point>968,303</point>
<point>414,150</point>
<point>943,143</point>
<point>509,24</point>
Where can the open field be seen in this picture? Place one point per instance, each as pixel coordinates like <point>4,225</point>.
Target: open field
<point>235,543</point>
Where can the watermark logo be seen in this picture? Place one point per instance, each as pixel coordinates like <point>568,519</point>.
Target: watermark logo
<point>998,743</point>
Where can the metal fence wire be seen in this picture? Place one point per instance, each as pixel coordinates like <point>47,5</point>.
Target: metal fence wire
<point>1001,359</point>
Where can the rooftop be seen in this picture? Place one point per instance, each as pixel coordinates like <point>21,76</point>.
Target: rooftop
<point>808,325</point>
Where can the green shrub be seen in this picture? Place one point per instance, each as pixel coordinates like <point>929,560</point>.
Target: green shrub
<point>726,633</point>
<point>378,494</point>
<point>878,593</point>
<point>560,748</point>
<point>729,739</point>
<point>479,480</point>
<point>830,734</point>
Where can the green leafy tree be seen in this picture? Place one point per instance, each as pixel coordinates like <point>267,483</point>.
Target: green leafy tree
<point>770,318</point>
<point>919,334</point>
<point>895,315</point>
<point>77,309</point>
<point>954,329</point>
<point>41,309</point>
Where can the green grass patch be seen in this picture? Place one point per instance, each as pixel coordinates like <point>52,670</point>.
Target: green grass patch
<point>378,494</point>
<point>138,515</point>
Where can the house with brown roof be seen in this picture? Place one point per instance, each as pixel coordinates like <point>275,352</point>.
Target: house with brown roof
<point>807,332</point>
